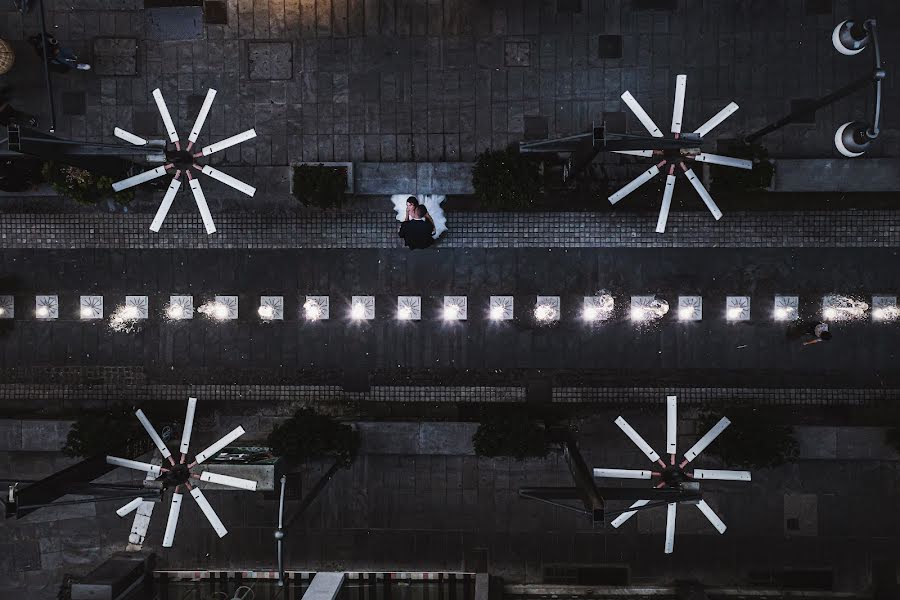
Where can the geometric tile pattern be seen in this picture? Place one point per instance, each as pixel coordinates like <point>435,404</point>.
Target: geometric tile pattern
<point>91,307</point>
<point>46,307</point>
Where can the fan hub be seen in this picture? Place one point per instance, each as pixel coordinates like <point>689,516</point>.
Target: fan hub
<point>182,159</point>
<point>178,474</point>
<point>673,476</point>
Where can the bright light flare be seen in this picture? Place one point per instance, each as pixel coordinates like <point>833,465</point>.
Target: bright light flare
<point>734,313</point>
<point>451,312</point>
<point>86,312</point>
<point>266,312</point>
<point>312,310</point>
<point>783,313</point>
<point>544,312</point>
<point>175,311</point>
<point>686,313</point>
<point>404,313</point>
<point>496,313</point>
<point>42,312</point>
<point>591,313</point>
<point>358,312</point>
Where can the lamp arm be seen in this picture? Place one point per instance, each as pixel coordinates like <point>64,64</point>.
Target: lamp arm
<point>878,75</point>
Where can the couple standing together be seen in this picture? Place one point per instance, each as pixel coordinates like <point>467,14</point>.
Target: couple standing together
<point>421,222</point>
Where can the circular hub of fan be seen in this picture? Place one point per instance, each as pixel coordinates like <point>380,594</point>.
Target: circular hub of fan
<point>182,159</point>
<point>673,476</point>
<point>177,474</point>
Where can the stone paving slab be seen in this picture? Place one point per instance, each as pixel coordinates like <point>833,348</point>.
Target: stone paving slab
<point>371,229</point>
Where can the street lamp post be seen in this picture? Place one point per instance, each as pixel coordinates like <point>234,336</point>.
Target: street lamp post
<point>854,137</point>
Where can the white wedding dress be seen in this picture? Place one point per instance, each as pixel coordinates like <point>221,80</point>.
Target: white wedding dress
<point>432,204</point>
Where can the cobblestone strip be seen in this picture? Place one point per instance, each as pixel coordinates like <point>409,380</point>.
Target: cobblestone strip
<point>868,228</point>
<point>286,396</point>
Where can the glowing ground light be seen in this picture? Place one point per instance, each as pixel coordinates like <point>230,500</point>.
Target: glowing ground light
<point>220,311</point>
<point>42,312</point>
<point>544,312</point>
<point>734,313</point>
<point>175,311</point>
<point>451,312</point>
<point>591,313</point>
<point>86,312</point>
<point>843,308</point>
<point>312,310</point>
<point>404,313</point>
<point>266,312</point>
<point>130,312</point>
<point>496,313</point>
<point>686,313</point>
<point>2,311</point>
<point>357,312</point>
<point>783,313</point>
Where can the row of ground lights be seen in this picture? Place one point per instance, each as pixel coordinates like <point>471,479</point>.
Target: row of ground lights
<point>455,308</point>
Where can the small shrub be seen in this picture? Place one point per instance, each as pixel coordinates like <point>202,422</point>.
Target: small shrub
<point>81,185</point>
<point>730,179</point>
<point>309,435</point>
<point>752,439</point>
<point>96,432</point>
<point>505,180</point>
<point>319,185</point>
<point>511,433</point>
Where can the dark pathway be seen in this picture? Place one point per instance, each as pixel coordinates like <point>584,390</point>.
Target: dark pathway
<point>712,350</point>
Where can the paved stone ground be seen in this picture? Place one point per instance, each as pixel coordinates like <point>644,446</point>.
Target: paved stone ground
<point>386,80</point>
<point>439,512</point>
<point>711,352</point>
<point>363,229</point>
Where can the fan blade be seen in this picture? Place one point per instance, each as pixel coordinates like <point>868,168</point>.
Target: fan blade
<point>627,515</point>
<point>725,161</point>
<point>139,179</point>
<point>166,203</point>
<point>130,507</point>
<point>666,201</point>
<point>201,117</point>
<point>623,473</point>
<point>208,511</point>
<point>281,502</point>
<point>641,114</point>
<point>635,183</point>
<point>712,516</point>
<point>188,425</point>
<point>172,521</point>
<point>721,475</point>
<point>200,199</point>
<point>229,180</point>
<point>716,119</point>
<point>227,439</point>
<point>670,527</point>
<point>229,142</point>
<point>678,108</point>
<point>133,464</point>
<point>129,137</point>
<point>646,153</point>
<point>704,195</point>
<point>638,440</point>
<point>166,117</point>
<point>671,424</point>
<point>706,440</point>
<point>161,445</point>
<point>235,482</point>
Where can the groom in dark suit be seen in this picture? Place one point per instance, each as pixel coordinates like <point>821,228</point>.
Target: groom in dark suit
<point>416,233</point>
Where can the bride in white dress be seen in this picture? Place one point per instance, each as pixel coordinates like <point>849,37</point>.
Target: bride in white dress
<point>432,203</point>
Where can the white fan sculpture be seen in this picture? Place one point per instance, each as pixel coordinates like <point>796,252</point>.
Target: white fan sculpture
<point>716,159</point>
<point>183,160</point>
<point>673,475</point>
<point>180,474</point>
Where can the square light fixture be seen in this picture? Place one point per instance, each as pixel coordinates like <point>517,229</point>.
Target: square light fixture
<point>456,308</point>
<point>500,308</point>
<point>362,308</point>
<point>409,308</point>
<point>138,307</point>
<point>546,308</point>
<point>690,308</point>
<point>7,307</point>
<point>597,308</point>
<point>271,308</point>
<point>647,308</point>
<point>90,307</point>
<point>737,308</point>
<point>787,308</point>
<point>180,308</point>
<point>884,308</point>
<point>46,306</point>
<point>230,310</point>
<point>317,308</point>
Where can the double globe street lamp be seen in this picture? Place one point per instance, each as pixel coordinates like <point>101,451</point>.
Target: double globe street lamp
<point>852,138</point>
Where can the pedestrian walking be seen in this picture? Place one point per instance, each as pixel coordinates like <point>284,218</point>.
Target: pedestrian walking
<point>58,55</point>
<point>820,332</point>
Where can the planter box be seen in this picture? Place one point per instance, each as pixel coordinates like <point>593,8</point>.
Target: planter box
<point>350,189</point>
